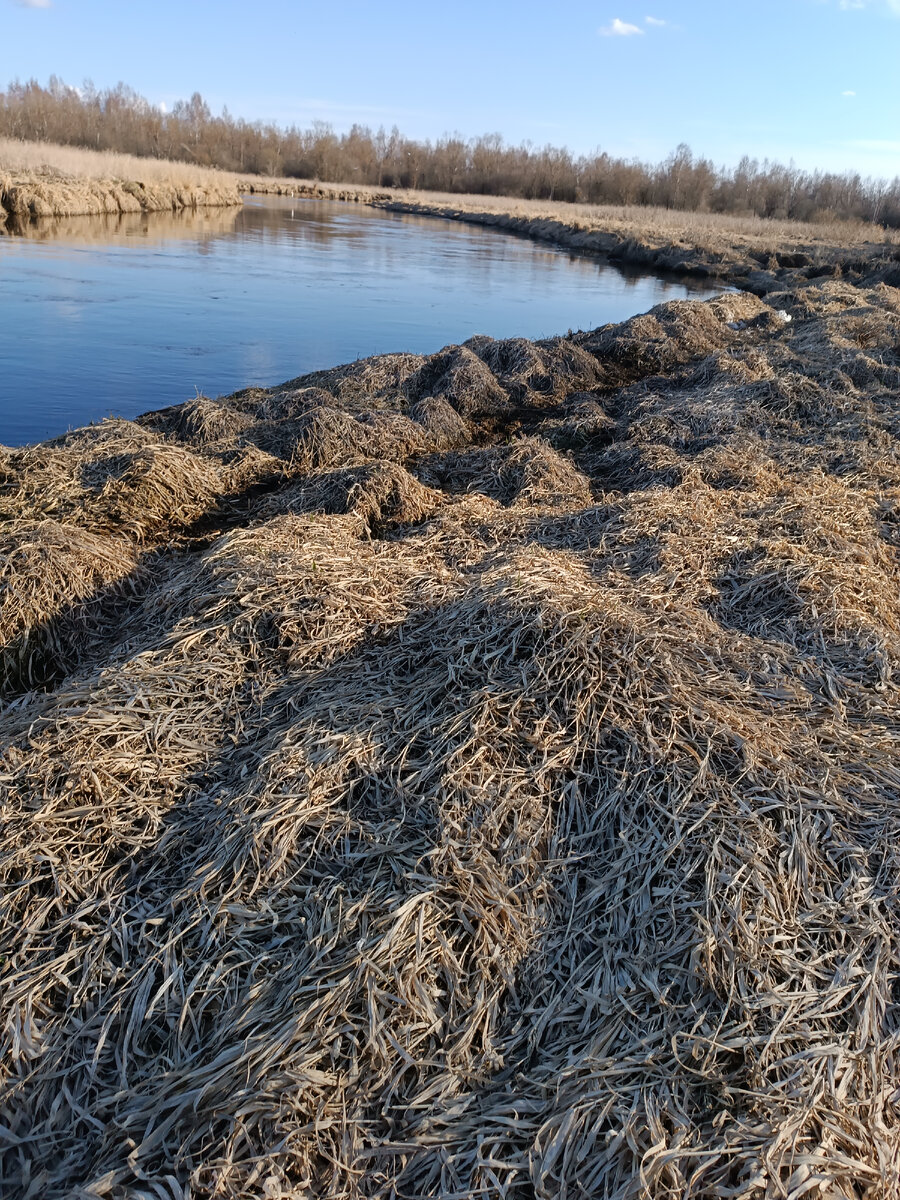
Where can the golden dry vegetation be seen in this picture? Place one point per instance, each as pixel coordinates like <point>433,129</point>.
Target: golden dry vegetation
<point>466,775</point>
<point>18,155</point>
<point>39,180</point>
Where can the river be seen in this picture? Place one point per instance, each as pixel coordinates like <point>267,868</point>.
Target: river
<point>115,316</point>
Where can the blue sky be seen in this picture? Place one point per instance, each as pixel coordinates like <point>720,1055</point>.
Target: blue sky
<point>816,81</point>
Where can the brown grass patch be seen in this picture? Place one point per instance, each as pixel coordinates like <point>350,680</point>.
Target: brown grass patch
<point>468,818</point>
<point>380,493</point>
<point>115,476</point>
<point>54,580</point>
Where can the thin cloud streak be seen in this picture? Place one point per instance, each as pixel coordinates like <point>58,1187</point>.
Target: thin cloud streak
<point>620,29</point>
<point>893,6</point>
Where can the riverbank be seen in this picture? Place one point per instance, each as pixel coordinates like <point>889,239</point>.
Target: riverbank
<point>750,253</point>
<point>40,181</point>
<point>25,197</point>
<point>470,773</point>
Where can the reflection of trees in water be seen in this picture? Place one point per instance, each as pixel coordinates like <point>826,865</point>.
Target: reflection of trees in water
<point>198,223</point>
<point>381,240</point>
<point>326,223</point>
<point>486,249</point>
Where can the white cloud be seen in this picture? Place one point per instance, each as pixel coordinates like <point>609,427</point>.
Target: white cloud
<point>34,3</point>
<point>620,29</point>
<point>655,22</point>
<point>848,93</point>
<point>856,5</point>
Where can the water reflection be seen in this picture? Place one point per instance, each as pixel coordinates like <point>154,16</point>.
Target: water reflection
<point>109,229</point>
<point>103,315</point>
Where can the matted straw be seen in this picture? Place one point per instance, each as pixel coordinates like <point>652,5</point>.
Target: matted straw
<point>498,807</point>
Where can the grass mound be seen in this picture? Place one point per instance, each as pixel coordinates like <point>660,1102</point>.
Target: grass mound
<point>150,491</point>
<point>381,376</point>
<point>535,373</point>
<point>528,472</point>
<point>329,437</point>
<point>462,379</point>
<point>445,428</point>
<point>494,804</point>
<point>291,403</point>
<point>115,476</point>
<point>673,334</point>
<point>201,421</point>
<point>381,493</point>
<point>53,579</point>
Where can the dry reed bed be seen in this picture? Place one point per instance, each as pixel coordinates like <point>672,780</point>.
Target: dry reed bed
<point>472,775</point>
<point>44,180</point>
<point>26,196</point>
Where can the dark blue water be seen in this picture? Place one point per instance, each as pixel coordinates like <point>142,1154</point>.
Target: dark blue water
<point>102,316</point>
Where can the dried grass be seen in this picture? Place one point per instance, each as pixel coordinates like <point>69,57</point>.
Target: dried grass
<point>538,373</point>
<point>39,179</point>
<point>69,161</point>
<point>331,437</point>
<point>527,472</point>
<point>54,580</point>
<point>380,493</point>
<point>462,379</point>
<point>201,421</point>
<point>470,819</point>
<point>370,379</point>
<point>673,334</point>
<point>445,428</point>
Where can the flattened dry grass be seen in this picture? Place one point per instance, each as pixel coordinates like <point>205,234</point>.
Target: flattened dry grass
<point>499,799</point>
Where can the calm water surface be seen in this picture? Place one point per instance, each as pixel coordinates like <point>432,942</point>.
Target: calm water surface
<point>102,316</point>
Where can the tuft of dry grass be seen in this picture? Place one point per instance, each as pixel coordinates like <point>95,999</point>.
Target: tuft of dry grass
<point>496,797</point>
<point>53,580</point>
<point>381,493</point>
<point>113,476</point>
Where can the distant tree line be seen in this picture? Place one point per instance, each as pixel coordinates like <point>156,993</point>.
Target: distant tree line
<point>119,119</point>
